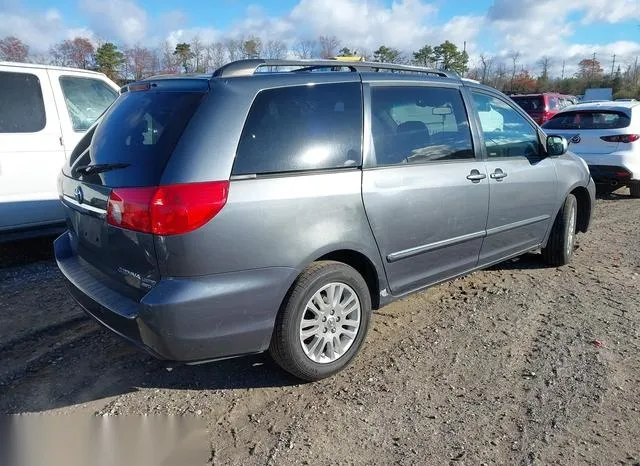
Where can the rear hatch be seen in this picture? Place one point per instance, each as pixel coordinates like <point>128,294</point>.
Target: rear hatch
<point>121,160</point>
<point>591,131</point>
<point>533,105</point>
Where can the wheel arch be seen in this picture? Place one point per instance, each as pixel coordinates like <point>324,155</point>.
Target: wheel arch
<point>584,208</point>
<point>363,265</point>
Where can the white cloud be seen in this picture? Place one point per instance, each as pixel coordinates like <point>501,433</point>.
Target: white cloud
<point>534,27</point>
<point>539,28</point>
<point>121,20</point>
<point>39,30</point>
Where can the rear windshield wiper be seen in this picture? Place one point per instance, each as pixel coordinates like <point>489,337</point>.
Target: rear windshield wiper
<point>99,168</point>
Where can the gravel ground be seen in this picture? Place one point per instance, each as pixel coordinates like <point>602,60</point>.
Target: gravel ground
<point>519,364</point>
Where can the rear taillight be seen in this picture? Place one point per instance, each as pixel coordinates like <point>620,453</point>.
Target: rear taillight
<point>546,116</point>
<point>626,138</point>
<point>167,210</point>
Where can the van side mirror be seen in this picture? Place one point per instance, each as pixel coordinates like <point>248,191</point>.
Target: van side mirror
<point>557,145</point>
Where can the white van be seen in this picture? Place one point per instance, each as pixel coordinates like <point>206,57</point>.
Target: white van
<point>44,111</point>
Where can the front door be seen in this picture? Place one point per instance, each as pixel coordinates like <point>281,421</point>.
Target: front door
<point>425,193</point>
<point>522,180</point>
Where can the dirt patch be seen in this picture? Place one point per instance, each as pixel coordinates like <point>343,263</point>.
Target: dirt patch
<point>519,364</point>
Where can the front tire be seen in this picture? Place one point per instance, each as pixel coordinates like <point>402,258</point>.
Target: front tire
<point>634,189</point>
<point>562,239</point>
<point>322,322</point>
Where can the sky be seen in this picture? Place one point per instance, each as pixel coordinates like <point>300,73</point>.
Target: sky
<point>566,30</point>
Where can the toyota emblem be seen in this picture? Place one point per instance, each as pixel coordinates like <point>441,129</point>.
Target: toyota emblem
<point>576,139</point>
<point>79,195</point>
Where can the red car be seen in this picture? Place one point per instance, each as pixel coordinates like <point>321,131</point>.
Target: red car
<point>542,107</point>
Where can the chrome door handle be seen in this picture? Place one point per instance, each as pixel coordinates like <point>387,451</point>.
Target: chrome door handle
<point>476,176</point>
<point>498,175</point>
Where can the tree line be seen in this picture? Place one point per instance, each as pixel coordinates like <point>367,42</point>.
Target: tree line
<point>506,73</point>
<point>196,56</point>
<point>511,76</point>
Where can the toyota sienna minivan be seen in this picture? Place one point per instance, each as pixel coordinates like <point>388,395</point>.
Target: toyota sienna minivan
<point>274,205</point>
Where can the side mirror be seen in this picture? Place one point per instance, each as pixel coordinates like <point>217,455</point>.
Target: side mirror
<point>557,145</point>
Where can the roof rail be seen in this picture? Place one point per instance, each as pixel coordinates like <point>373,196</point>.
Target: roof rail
<point>251,66</point>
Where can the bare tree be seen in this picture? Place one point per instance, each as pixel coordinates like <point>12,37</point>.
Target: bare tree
<point>217,55</point>
<point>328,46</point>
<point>140,62</point>
<point>234,48</point>
<point>170,63</point>
<point>500,76</point>
<point>545,64</point>
<point>515,58</point>
<point>276,49</point>
<point>305,48</point>
<point>197,49</point>
<point>486,62</point>
<point>78,52</point>
<point>365,54</point>
<point>13,49</point>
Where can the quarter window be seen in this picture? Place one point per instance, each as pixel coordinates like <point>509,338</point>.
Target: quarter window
<point>21,103</point>
<point>86,100</point>
<point>506,132</point>
<point>302,128</point>
<point>418,125</point>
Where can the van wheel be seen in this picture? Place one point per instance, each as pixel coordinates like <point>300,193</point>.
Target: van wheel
<point>634,189</point>
<point>562,239</point>
<point>322,322</point>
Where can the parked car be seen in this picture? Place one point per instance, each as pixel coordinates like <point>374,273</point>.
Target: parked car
<point>44,111</point>
<point>246,212</point>
<point>541,107</point>
<point>607,136</point>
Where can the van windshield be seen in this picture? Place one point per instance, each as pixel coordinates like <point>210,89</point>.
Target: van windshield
<point>137,135</point>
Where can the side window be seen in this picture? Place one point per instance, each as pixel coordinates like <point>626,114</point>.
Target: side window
<point>302,128</point>
<point>419,125</point>
<point>553,103</point>
<point>506,132</point>
<point>21,103</point>
<point>86,99</point>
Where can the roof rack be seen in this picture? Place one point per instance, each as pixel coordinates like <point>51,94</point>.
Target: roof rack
<point>251,66</point>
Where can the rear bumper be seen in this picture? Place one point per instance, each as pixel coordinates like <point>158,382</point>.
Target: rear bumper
<point>184,319</point>
<point>610,175</point>
<point>622,166</point>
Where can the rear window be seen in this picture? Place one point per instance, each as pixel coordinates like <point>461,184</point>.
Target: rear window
<point>21,103</point>
<point>588,120</point>
<point>141,129</point>
<point>302,128</point>
<point>530,104</point>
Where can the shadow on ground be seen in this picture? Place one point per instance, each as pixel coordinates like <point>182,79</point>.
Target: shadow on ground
<point>100,365</point>
<point>19,253</point>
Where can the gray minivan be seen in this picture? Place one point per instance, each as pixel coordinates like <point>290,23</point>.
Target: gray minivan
<point>273,205</point>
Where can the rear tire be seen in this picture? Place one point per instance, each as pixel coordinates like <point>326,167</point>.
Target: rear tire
<point>634,189</point>
<point>559,249</point>
<point>322,322</point>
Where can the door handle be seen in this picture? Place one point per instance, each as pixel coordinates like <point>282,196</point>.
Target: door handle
<point>476,176</point>
<point>498,175</point>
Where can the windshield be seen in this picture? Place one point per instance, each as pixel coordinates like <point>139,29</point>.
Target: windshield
<point>587,119</point>
<point>141,131</point>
